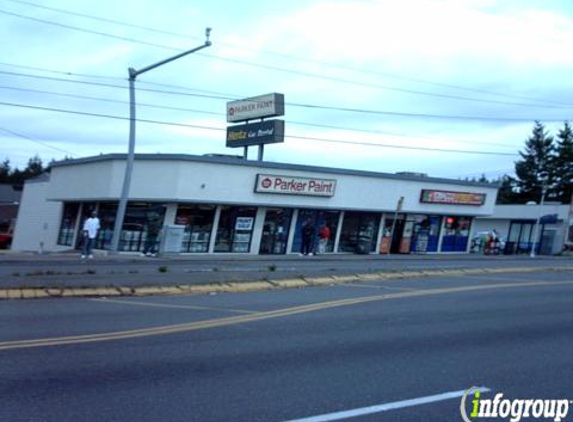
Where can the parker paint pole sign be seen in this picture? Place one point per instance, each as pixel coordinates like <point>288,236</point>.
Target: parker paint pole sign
<point>268,105</point>
<point>289,185</point>
<point>265,132</point>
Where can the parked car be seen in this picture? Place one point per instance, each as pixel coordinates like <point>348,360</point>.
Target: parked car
<point>5,240</point>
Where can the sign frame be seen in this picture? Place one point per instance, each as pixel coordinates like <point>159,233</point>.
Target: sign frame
<point>475,199</point>
<point>255,133</point>
<point>261,106</point>
<point>295,185</point>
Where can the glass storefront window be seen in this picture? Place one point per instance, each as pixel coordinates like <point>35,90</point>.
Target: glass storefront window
<point>138,216</point>
<point>68,224</point>
<point>106,214</point>
<point>456,233</point>
<point>198,222</point>
<point>275,231</point>
<point>520,233</point>
<point>425,233</point>
<point>235,229</point>
<point>359,232</point>
<point>317,219</point>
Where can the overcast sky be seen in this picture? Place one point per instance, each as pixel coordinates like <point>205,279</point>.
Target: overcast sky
<point>443,76</point>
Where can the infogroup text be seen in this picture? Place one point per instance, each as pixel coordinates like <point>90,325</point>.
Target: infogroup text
<point>514,409</point>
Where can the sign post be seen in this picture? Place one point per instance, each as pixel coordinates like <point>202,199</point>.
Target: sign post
<point>398,209</point>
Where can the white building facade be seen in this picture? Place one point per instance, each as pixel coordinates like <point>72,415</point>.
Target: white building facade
<point>230,205</point>
<point>517,225</point>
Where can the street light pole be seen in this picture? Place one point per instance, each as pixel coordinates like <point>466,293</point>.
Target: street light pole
<point>131,150</point>
<point>536,231</point>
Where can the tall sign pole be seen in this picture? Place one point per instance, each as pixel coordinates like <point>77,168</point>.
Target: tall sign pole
<point>398,210</point>
<point>133,74</point>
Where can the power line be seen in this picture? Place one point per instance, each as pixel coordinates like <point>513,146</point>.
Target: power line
<point>279,69</point>
<point>88,31</point>
<point>289,56</point>
<point>60,72</point>
<point>101,19</point>
<point>290,122</point>
<point>108,100</point>
<point>19,135</point>
<point>369,85</point>
<point>310,106</point>
<point>338,141</point>
<point>290,136</point>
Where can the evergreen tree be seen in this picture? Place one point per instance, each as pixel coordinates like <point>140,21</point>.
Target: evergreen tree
<point>5,171</point>
<point>536,169</point>
<point>507,193</point>
<point>35,167</point>
<point>564,164</point>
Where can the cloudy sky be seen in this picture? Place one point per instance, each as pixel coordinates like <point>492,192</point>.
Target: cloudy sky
<point>445,87</point>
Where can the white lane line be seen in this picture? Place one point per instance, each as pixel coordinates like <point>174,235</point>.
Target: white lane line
<point>373,286</point>
<point>165,305</point>
<point>386,406</point>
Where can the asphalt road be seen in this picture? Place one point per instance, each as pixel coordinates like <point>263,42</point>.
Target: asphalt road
<point>287,355</point>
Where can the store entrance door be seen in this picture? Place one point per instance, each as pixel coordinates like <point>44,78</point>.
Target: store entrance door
<point>275,231</point>
<point>397,237</point>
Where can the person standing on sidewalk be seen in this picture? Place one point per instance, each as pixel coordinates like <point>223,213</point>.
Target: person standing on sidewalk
<point>91,226</point>
<point>153,229</point>
<point>307,238</point>
<point>323,236</point>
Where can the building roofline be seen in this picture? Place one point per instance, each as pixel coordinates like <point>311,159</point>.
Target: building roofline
<point>239,161</point>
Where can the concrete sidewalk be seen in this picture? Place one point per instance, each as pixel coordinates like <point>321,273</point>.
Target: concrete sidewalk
<point>29,275</point>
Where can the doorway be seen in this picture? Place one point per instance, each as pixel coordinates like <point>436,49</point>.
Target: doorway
<point>275,231</point>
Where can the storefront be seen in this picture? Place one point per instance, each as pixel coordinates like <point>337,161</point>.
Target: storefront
<point>213,201</point>
<point>515,226</point>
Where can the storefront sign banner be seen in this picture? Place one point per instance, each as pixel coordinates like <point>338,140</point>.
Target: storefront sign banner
<point>267,132</point>
<point>288,185</point>
<point>452,198</point>
<point>268,105</point>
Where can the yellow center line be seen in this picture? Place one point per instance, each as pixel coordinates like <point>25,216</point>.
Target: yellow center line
<point>279,313</point>
<point>166,305</point>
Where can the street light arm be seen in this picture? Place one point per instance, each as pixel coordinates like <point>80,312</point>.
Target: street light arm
<point>135,73</point>
<point>122,205</point>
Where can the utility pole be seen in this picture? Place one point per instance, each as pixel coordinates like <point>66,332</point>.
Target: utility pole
<point>131,150</point>
<point>536,231</point>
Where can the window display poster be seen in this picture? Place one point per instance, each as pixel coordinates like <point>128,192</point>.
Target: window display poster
<point>244,223</point>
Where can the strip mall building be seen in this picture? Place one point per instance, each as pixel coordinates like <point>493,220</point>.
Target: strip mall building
<point>229,205</point>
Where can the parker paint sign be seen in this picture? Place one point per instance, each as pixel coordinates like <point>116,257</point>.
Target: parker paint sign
<point>266,132</point>
<point>288,185</point>
<point>451,198</point>
<point>268,105</point>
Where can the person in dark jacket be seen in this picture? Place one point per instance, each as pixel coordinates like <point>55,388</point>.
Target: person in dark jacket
<point>153,229</point>
<point>307,238</point>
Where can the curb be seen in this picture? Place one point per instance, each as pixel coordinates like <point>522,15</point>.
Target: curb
<point>250,286</point>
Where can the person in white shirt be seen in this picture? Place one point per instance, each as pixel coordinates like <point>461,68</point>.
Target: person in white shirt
<point>91,226</point>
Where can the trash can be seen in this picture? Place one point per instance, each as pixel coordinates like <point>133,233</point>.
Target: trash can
<point>172,238</point>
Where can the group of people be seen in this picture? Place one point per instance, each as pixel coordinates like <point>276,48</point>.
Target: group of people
<point>308,236</point>
<point>92,225</point>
